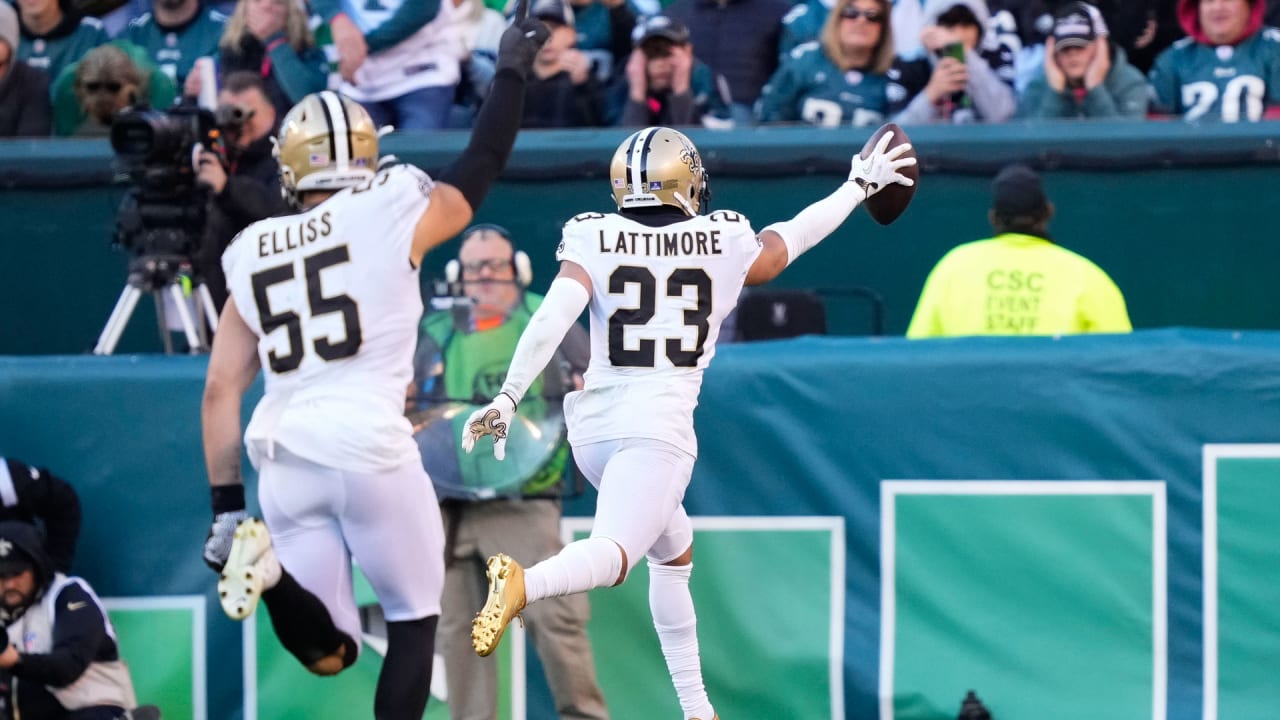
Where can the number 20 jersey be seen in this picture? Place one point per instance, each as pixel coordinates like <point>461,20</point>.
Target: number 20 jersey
<point>1227,83</point>
<point>659,295</point>
<point>335,303</point>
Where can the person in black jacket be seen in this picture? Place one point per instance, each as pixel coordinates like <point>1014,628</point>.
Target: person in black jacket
<point>24,90</point>
<point>247,188</point>
<point>61,650</point>
<point>738,39</point>
<point>37,496</point>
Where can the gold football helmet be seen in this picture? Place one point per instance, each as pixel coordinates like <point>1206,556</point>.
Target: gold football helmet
<point>327,142</point>
<point>659,166</point>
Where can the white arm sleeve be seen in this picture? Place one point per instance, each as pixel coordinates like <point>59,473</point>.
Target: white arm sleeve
<point>564,302</point>
<point>819,220</point>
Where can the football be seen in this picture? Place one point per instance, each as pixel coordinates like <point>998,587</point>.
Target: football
<point>886,205</point>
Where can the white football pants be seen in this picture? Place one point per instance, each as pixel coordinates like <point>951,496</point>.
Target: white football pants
<point>641,484</point>
<point>320,517</point>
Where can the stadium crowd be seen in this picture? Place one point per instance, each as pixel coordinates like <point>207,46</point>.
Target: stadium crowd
<point>66,66</point>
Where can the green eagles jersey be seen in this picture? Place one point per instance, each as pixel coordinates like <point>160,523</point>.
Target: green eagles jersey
<point>808,86</point>
<point>802,24</point>
<point>174,50</point>
<point>69,117</point>
<point>1226,83</point>
<point>64,45</point>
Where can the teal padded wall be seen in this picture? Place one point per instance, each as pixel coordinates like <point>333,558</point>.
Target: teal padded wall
<point>1170,211</point>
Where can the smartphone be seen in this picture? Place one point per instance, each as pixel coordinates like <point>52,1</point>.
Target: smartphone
<point>955,50</point>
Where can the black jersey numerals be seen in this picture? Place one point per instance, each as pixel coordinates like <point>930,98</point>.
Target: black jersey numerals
<point>283,360</point>
<point>644,354</point>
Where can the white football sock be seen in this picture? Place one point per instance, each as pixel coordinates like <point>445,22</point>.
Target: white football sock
<point>677,625</point>
<point>582,565</point>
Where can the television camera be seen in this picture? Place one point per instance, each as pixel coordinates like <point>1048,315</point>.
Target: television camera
<point>161,220</point>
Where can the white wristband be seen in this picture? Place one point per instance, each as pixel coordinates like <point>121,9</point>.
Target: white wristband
<point>811,225</point>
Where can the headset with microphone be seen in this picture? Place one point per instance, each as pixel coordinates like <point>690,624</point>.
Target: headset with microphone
<point>520,264</point>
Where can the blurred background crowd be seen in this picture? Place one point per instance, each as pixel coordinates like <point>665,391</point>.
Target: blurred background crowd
<point>67,66</point>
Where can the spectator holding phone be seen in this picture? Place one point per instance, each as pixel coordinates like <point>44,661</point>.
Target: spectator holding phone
<point>958,80</point>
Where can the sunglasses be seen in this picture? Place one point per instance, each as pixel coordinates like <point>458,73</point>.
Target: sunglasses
<point>94,86</point>
<point>495,265</point>
<point>852,13</point>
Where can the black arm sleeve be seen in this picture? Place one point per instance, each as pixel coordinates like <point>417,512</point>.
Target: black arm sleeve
<point>79,631</point>
<point>493,135</point>
<point>53,501</point>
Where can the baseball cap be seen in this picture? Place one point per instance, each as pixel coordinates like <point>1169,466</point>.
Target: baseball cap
<point>660,26</point>
<point>14,560</point>
<point>556,11</point>
<point>1018,192</point>
<point>1073,25</point>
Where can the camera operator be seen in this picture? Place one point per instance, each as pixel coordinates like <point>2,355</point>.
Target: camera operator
<point>62,651</point>
<point>247,188</point>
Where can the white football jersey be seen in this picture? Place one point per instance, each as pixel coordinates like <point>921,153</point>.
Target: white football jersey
<point>659,296</point>
<point>335,303</point>
<point>430,57</point>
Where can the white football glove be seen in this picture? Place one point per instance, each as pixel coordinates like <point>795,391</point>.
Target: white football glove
<point>492,419</point>
<point>217,546</point>
<point>880,168</point>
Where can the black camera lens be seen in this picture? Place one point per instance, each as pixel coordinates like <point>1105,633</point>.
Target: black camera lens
<point>132,135</point>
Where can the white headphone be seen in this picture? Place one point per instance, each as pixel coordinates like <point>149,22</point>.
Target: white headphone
<point>519,260</point>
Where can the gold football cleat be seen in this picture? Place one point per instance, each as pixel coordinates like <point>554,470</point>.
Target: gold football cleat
<point>506,600</point>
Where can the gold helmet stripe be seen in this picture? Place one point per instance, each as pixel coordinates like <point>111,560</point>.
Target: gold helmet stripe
<point>637,154</point>
<point>335,116</point>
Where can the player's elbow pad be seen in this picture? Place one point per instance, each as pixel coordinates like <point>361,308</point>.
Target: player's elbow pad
<point>491,139</point>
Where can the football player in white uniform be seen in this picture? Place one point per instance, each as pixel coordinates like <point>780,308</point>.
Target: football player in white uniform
<point>659,277</point>
<point>326,302</point>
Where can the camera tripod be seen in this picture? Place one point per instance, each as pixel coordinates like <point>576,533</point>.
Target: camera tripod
<point>162,276</point>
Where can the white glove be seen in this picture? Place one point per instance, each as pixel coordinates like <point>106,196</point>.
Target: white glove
<point>492,419</point>
<point>217,546</point>
<point>880,168</point>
